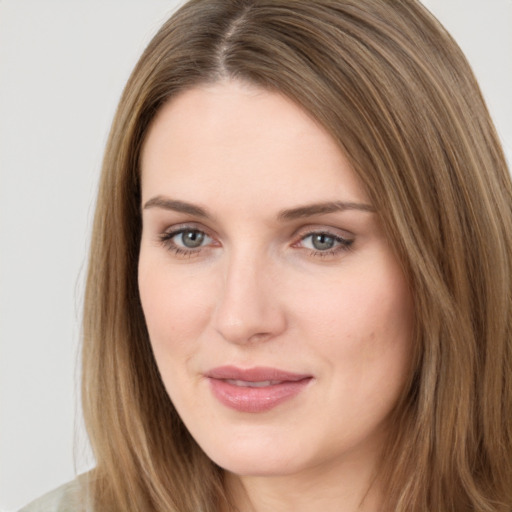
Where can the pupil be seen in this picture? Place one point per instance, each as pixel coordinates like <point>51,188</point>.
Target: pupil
<point>192,239</point>
<point>323,242</point>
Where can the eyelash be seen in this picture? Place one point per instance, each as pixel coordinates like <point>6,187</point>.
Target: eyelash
<point>343,244</point>
<point>167,240</point>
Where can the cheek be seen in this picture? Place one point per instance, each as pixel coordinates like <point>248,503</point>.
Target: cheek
<point>175,307</point>
<point>361,308</point>
<point>364,325</point>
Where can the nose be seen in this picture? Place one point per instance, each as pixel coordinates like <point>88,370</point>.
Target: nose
<point>249,307</point>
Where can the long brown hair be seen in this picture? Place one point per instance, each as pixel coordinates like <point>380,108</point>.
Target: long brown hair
<point>396,93</point>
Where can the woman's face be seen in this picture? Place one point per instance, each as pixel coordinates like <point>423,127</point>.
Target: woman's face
<point>279,317</point>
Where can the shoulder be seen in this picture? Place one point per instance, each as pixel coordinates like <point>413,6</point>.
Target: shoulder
<point>66,498</point>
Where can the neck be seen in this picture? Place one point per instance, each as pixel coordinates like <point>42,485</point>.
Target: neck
<point>350,488</point>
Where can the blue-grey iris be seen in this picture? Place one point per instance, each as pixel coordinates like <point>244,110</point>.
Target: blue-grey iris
<point>322,242</point>
<point>192,239</point>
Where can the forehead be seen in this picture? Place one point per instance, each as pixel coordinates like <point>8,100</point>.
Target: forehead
<point>228,138</point>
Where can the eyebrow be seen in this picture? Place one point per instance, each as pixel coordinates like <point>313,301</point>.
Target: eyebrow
<point>299,212</point>
<point>323,208</point>
<point>177,206</point>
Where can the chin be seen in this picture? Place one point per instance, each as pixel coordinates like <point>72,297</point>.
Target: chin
<point>257,459</point>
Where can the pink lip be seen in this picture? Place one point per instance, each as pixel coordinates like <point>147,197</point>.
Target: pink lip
<point>276,386</point>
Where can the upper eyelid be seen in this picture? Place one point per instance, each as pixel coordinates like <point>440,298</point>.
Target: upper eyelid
<point>332,231</point>
<point>329,234</point>
<point>341,241</point>
<point>187,226</point>
<point>297,235</point>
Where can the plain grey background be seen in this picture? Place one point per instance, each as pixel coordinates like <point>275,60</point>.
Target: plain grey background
<point>63,64</point>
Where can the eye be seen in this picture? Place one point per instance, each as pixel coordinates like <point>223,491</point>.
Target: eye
<point>324,243</point>
<point>186,241</point>
<point>191,239</point>
<point>320,241</point>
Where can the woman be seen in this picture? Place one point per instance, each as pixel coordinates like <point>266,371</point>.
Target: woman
<point>299,289</point>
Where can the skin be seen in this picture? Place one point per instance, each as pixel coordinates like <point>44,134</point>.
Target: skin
<point>260,290</point>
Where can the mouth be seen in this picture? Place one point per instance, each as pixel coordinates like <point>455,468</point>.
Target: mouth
<point>255,390</point>
<point>250,384</point>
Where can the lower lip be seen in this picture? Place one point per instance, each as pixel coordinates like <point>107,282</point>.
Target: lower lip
<point>247,399</point>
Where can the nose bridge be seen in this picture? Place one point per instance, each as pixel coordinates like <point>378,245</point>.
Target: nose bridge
<point>248,308</point>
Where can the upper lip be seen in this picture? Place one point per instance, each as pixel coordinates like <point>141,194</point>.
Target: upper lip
<point>256,374</point>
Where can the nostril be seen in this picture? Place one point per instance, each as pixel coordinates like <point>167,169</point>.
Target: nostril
<point>260,336</point>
